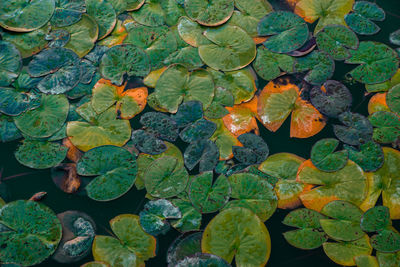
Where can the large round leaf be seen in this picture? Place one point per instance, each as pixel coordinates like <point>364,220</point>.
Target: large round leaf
<point>116,169</point>
<point>32,233</point>
<point>270,65</point>
<point>10,63</point>
<point>387,126</point>
<point>67,12</point>
<point>231,48</point>
<point>25,16</point>
<point>209,13</point>
<point>369,157</point>
<point>13,102</point>
<point>364,13</point>
<point>103,13</point>
<point>324,157</point>
<point>185,245</point>
<point>237,232</point>
<point>45,120</point>
<point>156,13</point>
<point>191,218</point>
<point>348,183</point>
<point>356,130</point>
<point>191,32</point>
<point>318,65</point>
<point>131,245</point>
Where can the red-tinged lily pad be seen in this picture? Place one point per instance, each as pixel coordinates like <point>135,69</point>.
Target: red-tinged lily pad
<point>209,13</point>
<point>348,184</point>
<point>387,127</point>
<point>278,100</point>
<point>115,170</point>
<point>309,234</point>
<point>324,157</point>
<point>131,245</point>
<point>369,157</point>
<point>32,233</point>
<point>208,196</point>
<point>378,103</point>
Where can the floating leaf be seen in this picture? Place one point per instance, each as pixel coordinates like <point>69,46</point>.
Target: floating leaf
<point>33,232</point>
<point>131,245</point>
<point>156,13</point>
<point>10,63</point>
<point>364,13</point>
<point>369,158</point>
<point>203,152</point>
<point>318,65</point>
<point>241,118</point>
<point>209,13</point>
<point>227,236</point>
<point>191,218</point>
<point>356,130</point>
<point>208,196</point>
<point>153,217</point>
<point>394,37</point>
<point>270,65</point>
<point>224,140</point>
<point>386,241</point>
<point>231,48</point>
<point>366,261</point>
<point>384,86</point>
<point>95,264</point>
<point>115,169</point>
<point>287,31</point>
<point>67,12</point>
<point>13,102</point>
<point>8,129</point>
<point>375,219</point>
<point>201,129</point>
<point>393,99</point>
<point>147,142</point>
<point>184,246</point>
<point>202,260</point>
<point>324,157</point>
<point>387,127</point>
<point>66,178</point>
<point>160,125</point>
<point>255,150</point>
<point>378,62</point>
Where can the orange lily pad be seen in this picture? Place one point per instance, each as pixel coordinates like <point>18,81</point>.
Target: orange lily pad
<point>241,118</point>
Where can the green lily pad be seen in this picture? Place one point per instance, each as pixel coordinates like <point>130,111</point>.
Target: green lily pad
<point>384,86</point>
<point>240,83</point>
<point>208,196</point>
<point>386,241</point>
<point>187,56</point>
<point>104,14</point>
<point>348,184</point>
<point>393,99</point>
<point>191,218</point>
<point>387,127</point>
<point>199,260</point>
<point>344,222</point>
<point>124,59</point>
<point>270,65</point>
<point>115,169</point>
<point>165,178</point>
<point>366,261</point>
<point>83,35</point>
<point>318,65</point>
<point>394,37</point>
<point>32,233</point>
<point>209,13</point>
<point>191,32</point>
<point>254,193</point>
<point>378,62</point>
<point>237,232</point>
<point>13,102</point>
<point>388,259</point>
<point>203,152</point>
<point>98,129</point>
<point>162,48</point>
<point>131,245</point>
<point>231,48</point>
<point>309,234</point>
<point>369,158</point>
<point>324,157</point>
<point>57,38</point>
<point>28,43</point>
<point>287,31</point>
<point>95,264</point>
<point>156,13</point>
<point>126,5</point>
<point>177,84</point>
<point>40,155</point>
<point>201,129</point>
<point>222,98</point>
<point>161,125</point>
<point>154,216</point>
<point>376,219</point>
<point>184,246</point>
<point>343,253</point>
<point>147,142</point>
<point>336,40</point>
<point>356,129</point>
<point>254,150</point>
<point>45,120</point>
<point>59,67</point>
<point>332,99</point>
<point>361,20</point>
<point>10,63</point>
<point>67,12</point>
<point>188,112</point>
<point>23,16</point>
<point>8,129</point>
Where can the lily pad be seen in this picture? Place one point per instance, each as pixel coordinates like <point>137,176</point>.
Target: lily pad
<point>191,32</point>
<point>348,184</point>
<point>177,85</point>
<point>356,129</point>
<point>104,14</point>
<point>156,13</point>
<point>287,31</point>
<point>203,152</point>
<point>115,169</point>
<point>231,48</point>
<point>270,65</point>
<point>147,142</point>
<point>208,196</point>
<point>201,129</point>
<point>184,246</point>
<point>254,150</point>
<point>394,37</point>
<point>369,158</point>
<point>362,17</point>
<point>204,259</point>
<point>393,99</point>
<point>154,216</point>
<point>224,140</point>
<point>161,125</point>
<point>331,99</point>
<point>384,86</point>
<point>124,59</point>
<point>324,157</point>
<point>388,259</point>
<point>229,233</point>
<point>336,40</point>
<point>376,219</point>
<point>40,155</point>
<point>33,232</point>
<point>191,218</point>
<point>8,129</point>
<point>165,178</point>
<point>386,241</point>
<point>387,127</point>
<point>45,120</point>
<point>209,13</point>
<point>10,63</point>
<point>378,62</point>
<point>23,16</point>
<point>241,118</point>
<point>67,12</point>
<point>131,245</point>
<point>318,65</point>
<point>13,102</point>
<point>366,261</point>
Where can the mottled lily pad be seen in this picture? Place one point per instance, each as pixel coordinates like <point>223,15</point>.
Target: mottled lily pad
<point>386,241</point>
<point>369,158</point>
<point>104,14</point>
<point>13,102</point>
<point>362,17</point>
<point>270,65</point>
<point>393,99</point>
<point>203,152</point>
<point>156,13</point>
<point>201,129</point>
<point>254,150</point>
<point>8,129</point>
<point>324,157</point>
<point>67,12</point>
<point>209,13</point>
<point>147,142</point>
<point>376,219</point>
<point>161,125</point>
<point>394,37</point>
<point>202,259</point>
<point>191,218</point>
<point>184,246</point>
<point>387,127</point>
<point>356,130</point>
<point>318,65</point>
<point>115,169</point>
<point>10,63</point>
<point>309,234</point>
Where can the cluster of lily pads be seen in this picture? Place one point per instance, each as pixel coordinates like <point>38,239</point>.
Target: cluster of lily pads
<point>106,92</point>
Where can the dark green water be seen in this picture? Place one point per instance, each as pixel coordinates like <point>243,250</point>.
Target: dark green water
<point>282,255</point>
